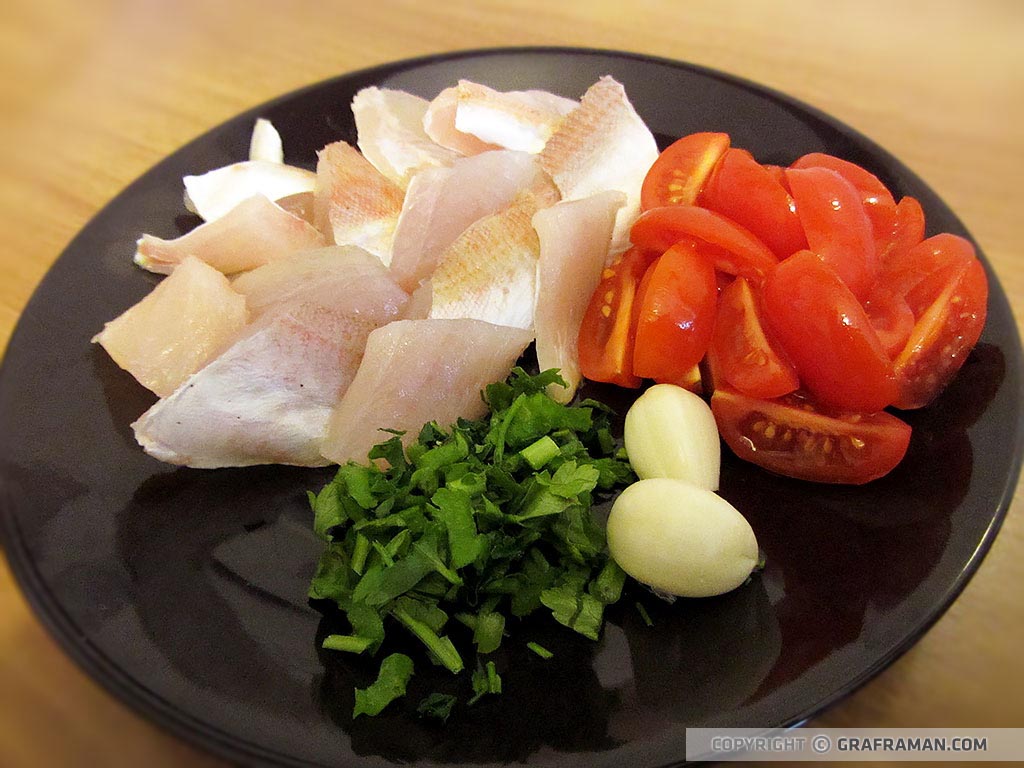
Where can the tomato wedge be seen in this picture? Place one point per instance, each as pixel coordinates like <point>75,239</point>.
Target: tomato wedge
<point>944,334</point>
<point>679,173</point>
<point>908,230</point>
<point>797,438</point>
<point>741,354</point>
<point>876,198</point>
<point>835,223</point>
<point>902,274</point>
<point>891,317</point>
<point>732,248</point>
<point>825,332</point>
<point>605,343</point>
<point>676,315</point>
<point>749,194</point>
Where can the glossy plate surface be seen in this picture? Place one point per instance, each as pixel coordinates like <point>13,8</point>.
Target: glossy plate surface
<point>183,591</point>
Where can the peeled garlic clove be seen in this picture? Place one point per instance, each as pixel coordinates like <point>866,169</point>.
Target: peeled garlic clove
<point>680,539</point>
<point>671,432</point>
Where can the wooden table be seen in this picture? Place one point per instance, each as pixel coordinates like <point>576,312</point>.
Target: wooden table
<point>95,93</point>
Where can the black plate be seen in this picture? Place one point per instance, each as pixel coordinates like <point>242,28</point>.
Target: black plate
<point>183,591</point>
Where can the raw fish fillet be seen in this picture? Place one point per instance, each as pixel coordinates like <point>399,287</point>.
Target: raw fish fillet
<point>416,371</point>
<point>603,145</point>
<point>268,397</point>
<point>176,328</point>
<point>344,266</point>
<point>471,118</point>
<point>489,273</point>
<point>254,232</point>
<point>353,203</point>
<point>441,202</point>
<point>391,135</point>
<point>575,237</point>
<point>213,194</point>
<point>265,143</point>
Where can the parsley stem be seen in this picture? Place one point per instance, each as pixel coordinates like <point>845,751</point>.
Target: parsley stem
<point>347,643</point>
<point>440,647</point>
<point>540,452</point>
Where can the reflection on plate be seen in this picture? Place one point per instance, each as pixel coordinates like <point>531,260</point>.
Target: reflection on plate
<point>183,591</point>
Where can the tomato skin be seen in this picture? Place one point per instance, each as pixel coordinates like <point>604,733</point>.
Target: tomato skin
<point>606,339</point>
<point>795,437</point>
<point>944,334</point>
<point>676,315</point>
<point>749,194</point>
<point>679,173</point>
<point>891,317</point>
<point>835,223</point>
<point>825,331</point>
<point>741,354</point>
<point>908,231</point>
<point>732,248</point>
<point>903,274</point>
<point>878,202</point>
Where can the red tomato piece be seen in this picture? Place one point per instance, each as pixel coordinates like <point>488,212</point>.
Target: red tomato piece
<point>944,334</point>
<point>836,226</point>
<point>824,330</point>
<point>902,274</point>
<point>797,438</point>
<point>749,194</point>
<point>676,315</point>
<point>679,173</point>
<point>605,342</point>
<point>732,248</point>
<point>908,230</point>
<point>741,354</point>
<point>878,201</point>
<point>891,317</point>
<point>778,173</point>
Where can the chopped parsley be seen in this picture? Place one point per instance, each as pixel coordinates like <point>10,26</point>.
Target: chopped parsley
<point>481,524</point>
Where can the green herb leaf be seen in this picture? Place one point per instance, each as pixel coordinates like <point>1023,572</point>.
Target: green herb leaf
<point>392,679</point>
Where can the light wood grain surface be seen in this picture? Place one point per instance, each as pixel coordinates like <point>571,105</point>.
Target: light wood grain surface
<point>95,93</point>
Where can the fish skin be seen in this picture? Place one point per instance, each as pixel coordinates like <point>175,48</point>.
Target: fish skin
<point>489,273</point>
<point>268,397</point>
<point>575,238</point>
<point>416,371</point>
<point>602,145</point>
<point>253,233</point>
<point>441,203</point>
<point>353,202</point>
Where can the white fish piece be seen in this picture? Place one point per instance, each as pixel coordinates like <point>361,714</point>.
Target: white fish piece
<point>439,124</point>
<point>441,203</point>
<point>176,328</point>
<point>489,273</point>
<point>391,135</point>
<point>354,204</point>
<point>602,145</point>
<point>345,266</point>
<point>268,398</point>
<point>213,194</point>
<point>482,116</point>
<point>417,371</point>
<point>575,237</point>
<point>265,143</point>
<point>254,232</point>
